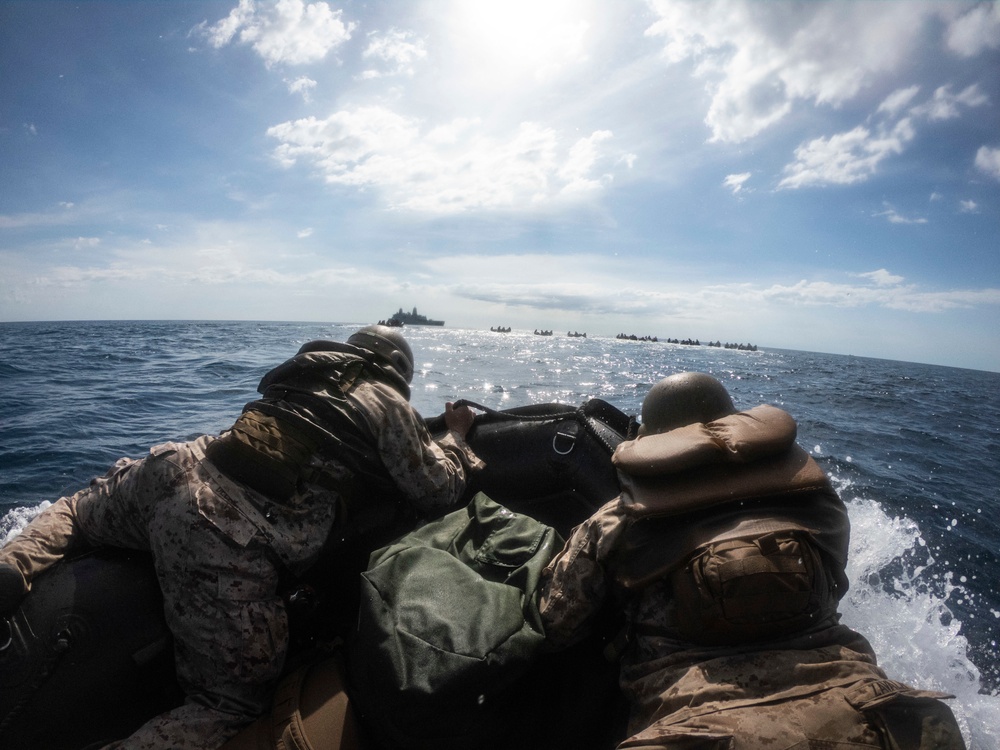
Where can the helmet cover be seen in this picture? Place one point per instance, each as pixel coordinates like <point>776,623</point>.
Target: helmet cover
<point>387,343</point>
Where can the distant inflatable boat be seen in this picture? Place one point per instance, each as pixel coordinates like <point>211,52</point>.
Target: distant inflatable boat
<point>88,658</point>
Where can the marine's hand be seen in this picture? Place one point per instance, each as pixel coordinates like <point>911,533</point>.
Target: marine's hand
<point>460,420</point>
<point>12,589</point>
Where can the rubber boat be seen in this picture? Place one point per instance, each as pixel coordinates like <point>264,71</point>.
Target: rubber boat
<point>88,657</point>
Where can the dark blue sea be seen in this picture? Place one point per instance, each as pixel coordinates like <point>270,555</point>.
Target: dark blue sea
<point>913,449</point>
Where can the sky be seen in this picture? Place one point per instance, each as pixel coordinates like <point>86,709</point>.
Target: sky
<point>821,176</point>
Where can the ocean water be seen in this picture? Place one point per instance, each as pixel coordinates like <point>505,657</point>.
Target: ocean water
<point>911,448</point>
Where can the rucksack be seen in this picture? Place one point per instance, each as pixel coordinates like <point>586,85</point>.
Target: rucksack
<point>751,588</point>
<point>448,622</point>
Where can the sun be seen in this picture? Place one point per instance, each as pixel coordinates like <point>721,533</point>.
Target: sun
<point>520,40</point>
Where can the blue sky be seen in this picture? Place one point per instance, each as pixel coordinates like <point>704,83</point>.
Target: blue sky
<point>808,175</point>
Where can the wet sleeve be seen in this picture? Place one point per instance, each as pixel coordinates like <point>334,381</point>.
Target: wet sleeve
<point>431,473</point>
<point>576,583</point>
<point>50,536</point>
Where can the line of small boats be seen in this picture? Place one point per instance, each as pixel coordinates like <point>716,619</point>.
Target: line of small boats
<point>401,318</point>
<point>543,332</point>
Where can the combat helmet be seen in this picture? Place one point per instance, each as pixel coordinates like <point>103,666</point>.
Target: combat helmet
<point>683,399</point>
<point>388,344</point>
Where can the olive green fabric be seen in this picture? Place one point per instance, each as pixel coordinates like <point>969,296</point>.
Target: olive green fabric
<point>449,620</point>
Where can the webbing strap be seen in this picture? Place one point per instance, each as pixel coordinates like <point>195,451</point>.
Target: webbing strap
<point>757,565</point>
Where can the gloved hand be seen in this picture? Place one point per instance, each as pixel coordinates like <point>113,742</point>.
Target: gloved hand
<point>12,589</point>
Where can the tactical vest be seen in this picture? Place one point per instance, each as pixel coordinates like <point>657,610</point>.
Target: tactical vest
<point>740,522</point>
<point>306,413</point>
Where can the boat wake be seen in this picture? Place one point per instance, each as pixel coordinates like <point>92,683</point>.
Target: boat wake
<point>899,600</point>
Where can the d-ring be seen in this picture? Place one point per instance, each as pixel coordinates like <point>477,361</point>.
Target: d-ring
<point>569,437</point>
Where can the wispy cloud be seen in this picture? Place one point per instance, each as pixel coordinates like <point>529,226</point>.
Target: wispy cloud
<point>882,277</point>
<point>484,279</point>
<point>896,218</point>
<point>944,105</point>
<point>893,296</point>
<point>83,243</point>
<point>898,100</point>
<point>303,85</point>
<point>735,182</point>
<point>38,219</point>
<point>396,51</point>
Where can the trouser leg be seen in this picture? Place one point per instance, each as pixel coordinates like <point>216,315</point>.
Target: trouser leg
<point>57,530</point>
<point>229,625</point>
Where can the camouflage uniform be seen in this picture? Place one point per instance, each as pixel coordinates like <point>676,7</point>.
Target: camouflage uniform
<point>218,547</point>
<point>799,687</point>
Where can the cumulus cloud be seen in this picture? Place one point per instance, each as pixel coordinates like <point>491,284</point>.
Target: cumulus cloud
<point>988,160</point>
<point>291,32</point>
<point>854,156</point>
<point>845,158</point>
<point>761,58</point>
<point>975,31</point>
<point>396,51</point>
<point>449,169</point>
<point>735,182</point>
<point>968,207</point>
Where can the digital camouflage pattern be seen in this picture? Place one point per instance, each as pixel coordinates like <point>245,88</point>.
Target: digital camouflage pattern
<point>218,547</point>
<point>818,688</point>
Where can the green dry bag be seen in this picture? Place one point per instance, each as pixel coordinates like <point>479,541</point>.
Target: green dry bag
<point>448,623</point>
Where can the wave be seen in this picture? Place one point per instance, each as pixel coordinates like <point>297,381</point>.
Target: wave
<point>899,599</point>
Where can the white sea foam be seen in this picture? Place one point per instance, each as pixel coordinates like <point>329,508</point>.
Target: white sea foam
<point>16,519</point>
<point>898,600</point>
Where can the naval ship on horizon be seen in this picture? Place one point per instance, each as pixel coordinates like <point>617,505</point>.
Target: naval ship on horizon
<point>413,318</point>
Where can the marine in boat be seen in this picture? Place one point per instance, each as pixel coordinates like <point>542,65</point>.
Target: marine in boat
<point>88,656</point>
